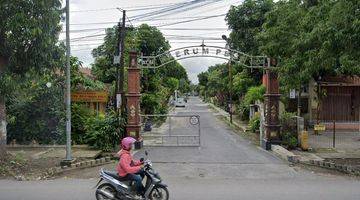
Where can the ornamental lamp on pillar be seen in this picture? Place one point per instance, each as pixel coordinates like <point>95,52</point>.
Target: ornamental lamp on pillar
<point>133,101</point>
<point>272,98</point>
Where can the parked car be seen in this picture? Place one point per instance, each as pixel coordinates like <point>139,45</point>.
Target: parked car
<point>180,102</point>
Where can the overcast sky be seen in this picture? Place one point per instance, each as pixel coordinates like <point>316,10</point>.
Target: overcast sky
<point>97,15</point>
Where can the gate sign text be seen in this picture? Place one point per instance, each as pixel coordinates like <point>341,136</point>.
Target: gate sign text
<point>201,51</point>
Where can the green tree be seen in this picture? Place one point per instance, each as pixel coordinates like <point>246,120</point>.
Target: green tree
<point>28,40</point>
<point>156,84</point>
<point>242,82</point>
<point>313,39</point>
<point>245,22</point>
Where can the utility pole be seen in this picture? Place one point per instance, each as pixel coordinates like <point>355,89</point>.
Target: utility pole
<point>230,100</point>
<point>224,37</point>
<point>68,85</point>
<point>119,87</point>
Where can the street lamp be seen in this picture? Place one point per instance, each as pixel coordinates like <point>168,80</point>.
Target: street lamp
<point>224,37</point>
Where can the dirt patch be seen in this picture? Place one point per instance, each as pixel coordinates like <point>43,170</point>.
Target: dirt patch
<point>20,166</point>
<point>24,166</point>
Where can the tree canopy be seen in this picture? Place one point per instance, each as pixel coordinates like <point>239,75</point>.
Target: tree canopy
<point>29,34</point>
<point>29,46</point>
<point>157,85</point>
<point>313,38</point>
<point>309,38</point>
<point>245,22</point>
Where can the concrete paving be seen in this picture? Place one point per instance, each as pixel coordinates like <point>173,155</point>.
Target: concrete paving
<point>225,166</point>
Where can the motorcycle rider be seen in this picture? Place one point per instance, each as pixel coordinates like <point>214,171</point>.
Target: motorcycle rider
<point>128,168</point>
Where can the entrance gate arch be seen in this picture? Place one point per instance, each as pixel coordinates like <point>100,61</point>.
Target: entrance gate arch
<point>136,63</point>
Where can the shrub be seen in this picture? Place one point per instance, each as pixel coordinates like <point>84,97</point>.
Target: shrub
<point>288,122</point>
<point>252,95</point>
<point>102,133</point>
<point>289,140</point>
<point>36,112</point>
<point>80,114</point>
<point>254,123</point>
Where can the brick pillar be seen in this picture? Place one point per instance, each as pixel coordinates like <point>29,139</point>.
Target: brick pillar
<point>133,101</point>
<point>272,98</point>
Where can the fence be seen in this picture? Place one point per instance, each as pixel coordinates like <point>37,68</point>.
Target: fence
<point>337,134</point>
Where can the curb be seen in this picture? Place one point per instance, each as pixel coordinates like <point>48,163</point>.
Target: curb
<point>333,166</point>
<point>80,165</point>
<point>285,154</point>
<point>296,159</point>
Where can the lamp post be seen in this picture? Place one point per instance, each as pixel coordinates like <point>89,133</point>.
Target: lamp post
<point>224,37</point>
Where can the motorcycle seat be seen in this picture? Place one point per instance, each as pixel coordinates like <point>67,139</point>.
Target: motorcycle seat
<point>115,175</point>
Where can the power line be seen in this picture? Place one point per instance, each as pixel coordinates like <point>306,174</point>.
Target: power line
<point>83,49</point>
<point>216,8</point>
<point>156,19</point>
<point>192,20</point>
<point>129,21</point>
<point>192,29</point>
<point>93,23</point>
<point>185,8</point>
<point>131,8</point>
<point>199,38</point>
<point>89,44</point>
<point>88,36</point>
<point>198,42</point>
<point>161,11</point>
<point>161,28</point>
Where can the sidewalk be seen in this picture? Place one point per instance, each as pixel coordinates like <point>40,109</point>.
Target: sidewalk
<point>344,160</point>
<point>243,126</point>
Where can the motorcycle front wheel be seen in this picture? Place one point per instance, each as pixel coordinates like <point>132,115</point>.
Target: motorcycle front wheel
<point>159,192</point>
<point>104,191</point>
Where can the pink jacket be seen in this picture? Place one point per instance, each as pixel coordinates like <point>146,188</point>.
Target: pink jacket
<point>126,164</point>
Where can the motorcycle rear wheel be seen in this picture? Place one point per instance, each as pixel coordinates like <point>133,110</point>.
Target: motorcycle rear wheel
<point>105,187</point>
<point>159,192</point>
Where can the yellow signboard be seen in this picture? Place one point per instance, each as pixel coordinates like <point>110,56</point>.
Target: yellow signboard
<point>319,127</point>
<point>89,96</point>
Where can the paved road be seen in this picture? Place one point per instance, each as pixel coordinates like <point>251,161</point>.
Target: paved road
<point>224,167</point>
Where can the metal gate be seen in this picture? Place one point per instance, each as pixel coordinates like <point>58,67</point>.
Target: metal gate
<point>171,130</point>
<point>336,134</point>
<point>340,117</point>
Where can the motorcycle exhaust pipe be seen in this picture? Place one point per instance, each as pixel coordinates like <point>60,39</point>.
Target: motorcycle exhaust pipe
<point>106,194</point>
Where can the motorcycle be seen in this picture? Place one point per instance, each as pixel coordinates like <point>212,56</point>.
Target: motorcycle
<point>111,186</point>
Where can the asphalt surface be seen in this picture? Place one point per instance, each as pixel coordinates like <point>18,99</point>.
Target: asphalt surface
<point>225,166</point>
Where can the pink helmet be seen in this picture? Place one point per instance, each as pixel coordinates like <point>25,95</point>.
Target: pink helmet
<point>127,142</point>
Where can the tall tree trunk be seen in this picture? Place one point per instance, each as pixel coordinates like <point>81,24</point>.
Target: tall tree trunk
<point>3,135</point>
